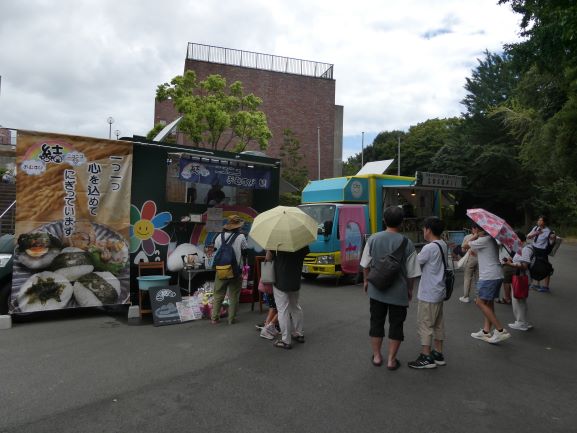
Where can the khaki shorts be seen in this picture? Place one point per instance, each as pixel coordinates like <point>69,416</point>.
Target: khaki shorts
<point>430,323</point>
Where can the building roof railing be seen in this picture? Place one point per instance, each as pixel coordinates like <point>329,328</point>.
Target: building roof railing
<point>266,62</point>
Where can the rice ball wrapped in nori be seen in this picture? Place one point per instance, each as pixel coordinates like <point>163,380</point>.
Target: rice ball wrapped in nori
<point>37,250</point>
<point>72,263</point>
<point>44,291</point>
<point>96,289</point>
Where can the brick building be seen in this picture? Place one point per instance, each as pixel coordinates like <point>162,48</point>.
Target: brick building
<point>297,94</point>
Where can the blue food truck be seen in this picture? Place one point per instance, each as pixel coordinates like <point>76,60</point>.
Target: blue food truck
<point>349,209</point>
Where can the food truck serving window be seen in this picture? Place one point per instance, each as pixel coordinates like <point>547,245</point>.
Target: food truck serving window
<point>213,182</point>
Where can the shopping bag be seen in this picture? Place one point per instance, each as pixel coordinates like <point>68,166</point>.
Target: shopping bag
<point>267,272</point>
<point>520,285</point>
<point>265,287</point>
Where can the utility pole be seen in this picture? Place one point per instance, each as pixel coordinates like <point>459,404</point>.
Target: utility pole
<point>362,149</point>
<point>399,156</point>
<point>319,150</point>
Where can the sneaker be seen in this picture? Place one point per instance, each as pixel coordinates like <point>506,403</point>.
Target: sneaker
<point>264,333</point>
<point>535,286</point>
<point>259,326</point>
<point>519,326</point>
<point>544,289</point>
<point>481,335</point>
<point>423,361</point>
<point>272,329</point>
<point>499,336</point>
<point>464,299</point>
<point>438,358</point>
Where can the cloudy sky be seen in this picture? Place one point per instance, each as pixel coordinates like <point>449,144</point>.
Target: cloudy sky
<point>68,65</point>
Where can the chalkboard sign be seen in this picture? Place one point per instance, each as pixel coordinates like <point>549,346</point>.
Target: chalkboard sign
<point>163,304</point>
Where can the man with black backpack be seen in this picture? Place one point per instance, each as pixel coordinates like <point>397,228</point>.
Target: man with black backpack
<point>230,246</point>
<point>389,295</point>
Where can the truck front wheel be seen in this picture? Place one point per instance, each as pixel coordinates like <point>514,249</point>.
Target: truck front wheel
<point>5,289</point>
<point>310,277</point>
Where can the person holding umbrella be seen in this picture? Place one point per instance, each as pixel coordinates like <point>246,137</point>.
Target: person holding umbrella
<point>286,232</point>
<point>490,279</point>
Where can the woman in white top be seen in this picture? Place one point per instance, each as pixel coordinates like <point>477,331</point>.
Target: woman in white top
<point>540,235</point>
<point>488,286</point>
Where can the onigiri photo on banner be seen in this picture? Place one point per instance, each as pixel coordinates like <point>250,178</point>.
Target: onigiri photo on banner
<point>72,222</point>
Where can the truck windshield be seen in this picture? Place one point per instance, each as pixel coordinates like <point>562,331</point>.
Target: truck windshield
<point>322,213</point>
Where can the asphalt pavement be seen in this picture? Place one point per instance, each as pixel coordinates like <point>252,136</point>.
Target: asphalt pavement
<point>90,371</point>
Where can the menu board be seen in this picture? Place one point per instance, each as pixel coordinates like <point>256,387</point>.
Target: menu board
<point>163,301</point>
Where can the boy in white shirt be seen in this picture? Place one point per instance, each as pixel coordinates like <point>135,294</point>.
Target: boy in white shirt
<point>488,286</point>
<point>430,323</point>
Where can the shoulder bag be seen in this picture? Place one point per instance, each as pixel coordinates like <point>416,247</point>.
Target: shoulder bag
<point>385,271</point>
<point>463,260</point>
<point>449,276</point>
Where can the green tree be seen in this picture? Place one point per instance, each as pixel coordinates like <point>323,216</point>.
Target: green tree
<point>542,112</point>
<point>292,168</point>
<point>215,115</point>
<point>154,132</point>
<point>423,141</point>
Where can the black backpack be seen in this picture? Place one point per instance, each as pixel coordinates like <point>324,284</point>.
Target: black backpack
<point>539,268</point>
<point>225,259</point>
<point>385,270</point>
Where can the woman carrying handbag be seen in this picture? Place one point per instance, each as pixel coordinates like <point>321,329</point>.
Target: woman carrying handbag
<point>520,286</point>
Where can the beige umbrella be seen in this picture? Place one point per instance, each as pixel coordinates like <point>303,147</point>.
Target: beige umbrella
<point>283,228</point>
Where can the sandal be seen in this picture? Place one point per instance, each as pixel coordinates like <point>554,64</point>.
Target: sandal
<point>376,364</point>
<point>394,367</point>
<point>299,338</point>
<point>282,345</point>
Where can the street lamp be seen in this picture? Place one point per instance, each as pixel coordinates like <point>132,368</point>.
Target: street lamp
<point>110,121</point>
<point>117,132</point>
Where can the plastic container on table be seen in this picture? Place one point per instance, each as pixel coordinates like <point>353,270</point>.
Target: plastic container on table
<point>148,281</point>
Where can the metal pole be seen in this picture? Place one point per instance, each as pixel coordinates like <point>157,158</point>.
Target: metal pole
<point>399,156</point>
<point>362,149</point>
<point>319,150</point>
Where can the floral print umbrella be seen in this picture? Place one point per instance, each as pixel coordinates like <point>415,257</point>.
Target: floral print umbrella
<point>497,228</point>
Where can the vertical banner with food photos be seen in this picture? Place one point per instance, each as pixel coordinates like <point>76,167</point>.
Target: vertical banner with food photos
<point>72,222</point>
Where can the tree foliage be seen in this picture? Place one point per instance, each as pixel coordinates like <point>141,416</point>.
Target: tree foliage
<point>215,115</point>
<point>516,142</point>
<point>292,168</point>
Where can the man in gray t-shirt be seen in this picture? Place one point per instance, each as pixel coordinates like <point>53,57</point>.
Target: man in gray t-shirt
<point>395,300</point>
